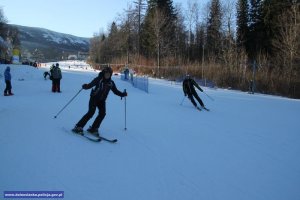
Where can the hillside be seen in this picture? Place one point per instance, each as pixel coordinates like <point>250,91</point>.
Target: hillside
<point>246,148</point>
<point>51,45</point>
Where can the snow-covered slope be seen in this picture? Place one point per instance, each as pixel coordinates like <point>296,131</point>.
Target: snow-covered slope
<point>247,147</point>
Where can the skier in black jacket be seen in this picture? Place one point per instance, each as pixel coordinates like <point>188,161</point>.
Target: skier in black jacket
<point>103,84</point>
<point>189,90</point>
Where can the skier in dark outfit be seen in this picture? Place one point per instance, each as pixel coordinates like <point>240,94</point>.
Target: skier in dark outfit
<point>103,84</point>
<point>55,77</point>
<point>189,90</point>
<point>7,75</point>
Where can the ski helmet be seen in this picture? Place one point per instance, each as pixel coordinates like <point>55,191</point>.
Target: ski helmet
<point>109,71</point>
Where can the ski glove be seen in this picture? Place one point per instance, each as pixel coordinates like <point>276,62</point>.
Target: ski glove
<point>124,94</point>
<point>85,86</point>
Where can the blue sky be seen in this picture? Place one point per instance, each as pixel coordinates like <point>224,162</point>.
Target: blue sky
<point>76,17</point>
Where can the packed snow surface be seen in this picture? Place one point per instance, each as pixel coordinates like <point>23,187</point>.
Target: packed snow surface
<point>246,148</point>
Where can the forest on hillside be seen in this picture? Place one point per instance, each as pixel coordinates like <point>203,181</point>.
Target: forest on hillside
<point>231,43</point>
<point>228,42</point>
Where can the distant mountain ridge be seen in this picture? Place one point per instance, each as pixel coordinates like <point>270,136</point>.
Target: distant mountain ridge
<point>46,45</point>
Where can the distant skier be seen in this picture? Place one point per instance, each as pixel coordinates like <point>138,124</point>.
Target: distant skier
<point>103,84</point>
<point>189,90</point>
<point>126,73</point>
<point>7,77</point>
<point>46,74</point>
<point>251,86</point>
<point>55,77</point>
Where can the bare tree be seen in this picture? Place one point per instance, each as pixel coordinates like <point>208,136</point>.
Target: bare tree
<point>180,35</point>
<point>3,22</point>
<point>140,7</point>
<point>229,46</point>
<point>158,22</point>
<point>192,18</point>
<point>287,41</point>
<point>228,8</point>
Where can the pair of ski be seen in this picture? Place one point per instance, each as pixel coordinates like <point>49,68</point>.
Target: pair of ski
<point>94,138</point>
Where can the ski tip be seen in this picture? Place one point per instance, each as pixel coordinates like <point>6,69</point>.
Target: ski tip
<point>112,141</point>
<point>108,140</point>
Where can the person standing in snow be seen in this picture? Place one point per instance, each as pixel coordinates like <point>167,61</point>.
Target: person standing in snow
<point>126,73</point>
<point>7,77</point>
<point>188,86</point>
<point>251,87</point>
<point>102,85</point>
<point>56,77</point>
<point>51,77</point>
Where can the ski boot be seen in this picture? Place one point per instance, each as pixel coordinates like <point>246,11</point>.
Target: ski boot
<point>198,108</point>
<point>78,130</point>
<point>203,107</point>
<point>93,131</point>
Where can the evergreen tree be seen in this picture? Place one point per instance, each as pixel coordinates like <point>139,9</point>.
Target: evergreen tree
<point>242,22</point>
<point>147,35</point>
<point>165,10</point>
<point>139,10</point>
<point>256,29</point>
<point>112,48</point>
<point>214,24</point>
<point>113,30</point>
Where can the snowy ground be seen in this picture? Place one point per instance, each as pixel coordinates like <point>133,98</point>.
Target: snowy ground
<point>247,147</point>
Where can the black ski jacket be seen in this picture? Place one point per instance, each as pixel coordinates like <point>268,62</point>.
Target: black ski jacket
<point>188,86</point>
<point>102,87</point>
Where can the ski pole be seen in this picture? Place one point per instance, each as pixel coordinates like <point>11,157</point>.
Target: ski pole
<point>125,113</point>
<point>67,103</point>
<point>208,96</point>
<point>182,100</point>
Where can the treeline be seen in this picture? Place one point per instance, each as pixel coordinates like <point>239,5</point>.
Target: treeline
<point>230,42</point>
<point>9,39</point>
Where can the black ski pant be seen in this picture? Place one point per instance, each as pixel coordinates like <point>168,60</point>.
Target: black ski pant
<point>8,87</point>
<point>56,85</point>
<point>92,109</point>
<point>191,97</point>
